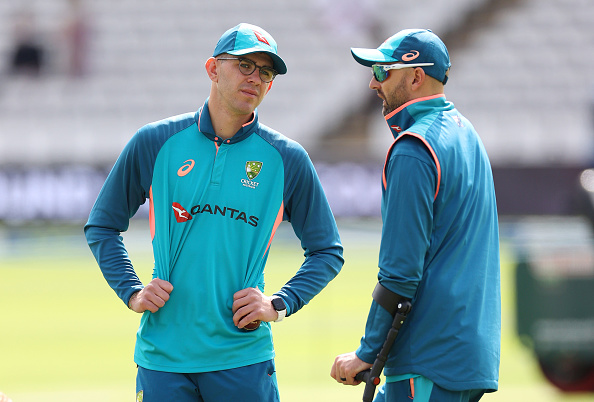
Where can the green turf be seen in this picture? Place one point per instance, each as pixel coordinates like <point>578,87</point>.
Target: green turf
<point>65,336</point>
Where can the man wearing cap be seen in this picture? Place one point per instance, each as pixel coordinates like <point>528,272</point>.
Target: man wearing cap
<point>218,183</point>
<point>440,238</point>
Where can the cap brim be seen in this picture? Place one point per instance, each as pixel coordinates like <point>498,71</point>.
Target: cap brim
<point>278,63</point>
<point>369,57</point>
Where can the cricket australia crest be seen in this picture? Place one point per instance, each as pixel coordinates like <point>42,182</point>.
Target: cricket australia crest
<point>252,169</point>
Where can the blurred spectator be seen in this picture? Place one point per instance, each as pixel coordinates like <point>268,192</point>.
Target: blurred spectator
<point>27,56</point>
<point>4,398</point>
<point>76,38</point>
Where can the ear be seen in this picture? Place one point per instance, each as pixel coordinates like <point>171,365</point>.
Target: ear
<point>269,86</point>
<point>418,78</point>
<point>211,69</point>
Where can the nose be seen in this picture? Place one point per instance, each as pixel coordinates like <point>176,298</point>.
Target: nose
<point>255,76</point>
<point>374,84</point>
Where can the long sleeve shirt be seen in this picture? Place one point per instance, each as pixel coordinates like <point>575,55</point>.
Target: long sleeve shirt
<point>215,205</point>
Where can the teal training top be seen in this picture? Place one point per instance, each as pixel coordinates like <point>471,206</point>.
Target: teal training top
<point>439,247</point>
<point>214,208</point>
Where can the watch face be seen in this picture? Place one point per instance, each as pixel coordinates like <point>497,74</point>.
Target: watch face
<point>278,304</point>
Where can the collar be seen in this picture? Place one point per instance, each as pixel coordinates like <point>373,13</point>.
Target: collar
<point>408,114</point>
<point>202,116</point>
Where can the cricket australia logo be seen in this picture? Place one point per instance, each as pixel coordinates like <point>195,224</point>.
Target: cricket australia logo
<point>252,170</point>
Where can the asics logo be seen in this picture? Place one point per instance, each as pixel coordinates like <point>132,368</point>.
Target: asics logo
<point>410,56</point>
<point>181,215</point>
<point>186,168</point>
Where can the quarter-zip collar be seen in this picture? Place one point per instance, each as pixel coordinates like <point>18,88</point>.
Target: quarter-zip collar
<point>408,114</point>
<point>204,122</point>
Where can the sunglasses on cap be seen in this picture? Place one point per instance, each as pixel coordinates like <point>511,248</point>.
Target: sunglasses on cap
<point>380,71</point>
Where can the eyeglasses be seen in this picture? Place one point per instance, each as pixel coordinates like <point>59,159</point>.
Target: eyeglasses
<point>380,71</point>
<point>247,67</point>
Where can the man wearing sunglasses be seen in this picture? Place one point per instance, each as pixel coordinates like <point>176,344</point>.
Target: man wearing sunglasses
<point>440,242</point>
<point>219,183</point>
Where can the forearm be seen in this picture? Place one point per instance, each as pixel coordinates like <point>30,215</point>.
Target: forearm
<point>313,223</point>
<point>378,324</point>
<point>111,255</point>
<point>316,272</point>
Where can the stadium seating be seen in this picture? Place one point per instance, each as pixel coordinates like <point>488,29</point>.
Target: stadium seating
<point>146,59</point>
<point>521,73</point>
<point>525,80</point>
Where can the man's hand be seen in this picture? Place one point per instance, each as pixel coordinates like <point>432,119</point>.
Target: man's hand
<point>251,305</point>
<point>152,297</point>
<point>346,367</point>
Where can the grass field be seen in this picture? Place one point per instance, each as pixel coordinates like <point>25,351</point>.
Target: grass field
<point>65,336</point>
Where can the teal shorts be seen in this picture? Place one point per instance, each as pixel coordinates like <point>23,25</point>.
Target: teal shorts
<point>253,383</point>
<point>422,389</point>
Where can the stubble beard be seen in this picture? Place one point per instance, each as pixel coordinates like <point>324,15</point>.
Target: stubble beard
<point>396,98</point>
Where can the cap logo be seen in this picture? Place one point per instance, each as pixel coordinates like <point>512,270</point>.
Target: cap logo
<point>261,38</point>
<point>410,56</point>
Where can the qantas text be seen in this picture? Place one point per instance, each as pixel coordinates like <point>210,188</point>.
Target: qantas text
<point>232,213</point>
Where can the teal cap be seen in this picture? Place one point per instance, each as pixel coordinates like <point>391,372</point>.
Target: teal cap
<point>410,46</point>
<point>244,39</point>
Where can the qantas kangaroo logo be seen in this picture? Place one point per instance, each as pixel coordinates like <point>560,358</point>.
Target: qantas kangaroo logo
<point>396,128</point>
<point>181,215</point>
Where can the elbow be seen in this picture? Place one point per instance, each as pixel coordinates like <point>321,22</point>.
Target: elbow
<point>95,234</point>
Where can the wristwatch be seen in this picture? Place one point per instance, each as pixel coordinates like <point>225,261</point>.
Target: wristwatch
<point>279,306</point>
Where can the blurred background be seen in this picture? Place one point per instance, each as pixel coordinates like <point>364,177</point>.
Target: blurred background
<point>78,78</point>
